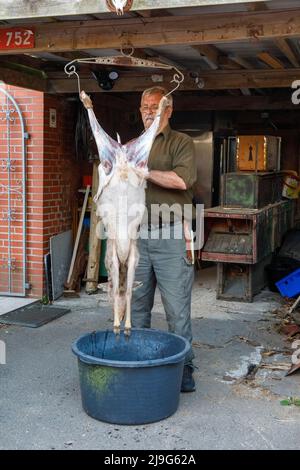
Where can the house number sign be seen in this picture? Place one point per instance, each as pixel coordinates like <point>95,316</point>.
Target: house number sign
<point>16,38</point>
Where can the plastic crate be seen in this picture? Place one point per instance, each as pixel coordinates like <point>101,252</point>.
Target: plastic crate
<point>289,286</point>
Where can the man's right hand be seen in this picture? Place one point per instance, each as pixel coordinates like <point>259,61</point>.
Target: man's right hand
<point>86,100</point>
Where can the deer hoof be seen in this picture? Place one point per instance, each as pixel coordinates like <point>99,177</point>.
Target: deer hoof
<point>127,332</point>
<point>117,330</point>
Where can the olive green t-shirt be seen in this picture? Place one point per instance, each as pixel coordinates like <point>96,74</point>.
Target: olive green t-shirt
<point>171,151</point>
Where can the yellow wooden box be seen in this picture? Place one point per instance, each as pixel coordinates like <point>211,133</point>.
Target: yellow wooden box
<point>258,153</point>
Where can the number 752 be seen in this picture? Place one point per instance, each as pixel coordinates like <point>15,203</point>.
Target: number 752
<point>18,38</point>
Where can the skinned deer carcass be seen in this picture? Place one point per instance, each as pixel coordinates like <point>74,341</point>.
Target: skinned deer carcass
<point>120,204</point>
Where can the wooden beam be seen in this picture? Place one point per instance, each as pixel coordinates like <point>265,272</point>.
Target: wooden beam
<point>21,79</point>
<point>243,64</point>
<point>210,54</point>
<point>216,58</point>
<point>260,6</point>
<point>152,55</point>
<point>45,8</point>
<point>246,91</point>
<point>213,80</point>
<point>152,13</point>
<point>26,60</point>
<point>231,103</point>
<point>240,61</point>
<point>80,224</point>
<point>226,63</point>
<point>271,61</point>
<point>148,32</point>
<point>23,69</point>
<point>234,92</point>
<point>286,49</point>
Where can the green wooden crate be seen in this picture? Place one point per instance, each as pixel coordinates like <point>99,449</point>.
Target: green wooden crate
<point>251,190</point>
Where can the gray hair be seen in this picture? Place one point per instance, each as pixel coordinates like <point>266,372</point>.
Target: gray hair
<point>158,90</point>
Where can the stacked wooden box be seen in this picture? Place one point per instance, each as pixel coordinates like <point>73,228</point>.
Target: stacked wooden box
<point>243,232</point>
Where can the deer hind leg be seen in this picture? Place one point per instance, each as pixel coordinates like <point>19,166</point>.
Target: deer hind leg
<point>131,265</point>
<point>114,275</point>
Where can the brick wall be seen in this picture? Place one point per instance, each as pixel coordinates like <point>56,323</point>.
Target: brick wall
<point>62,173</point>
<point>53,177</point>
<point>31,106</point>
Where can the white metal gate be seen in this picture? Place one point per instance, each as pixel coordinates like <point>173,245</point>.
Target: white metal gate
<point>12,197</point>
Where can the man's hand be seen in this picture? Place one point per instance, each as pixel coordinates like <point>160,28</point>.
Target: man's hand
<point>86,100</point>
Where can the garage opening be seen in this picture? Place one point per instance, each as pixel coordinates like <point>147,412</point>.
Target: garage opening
<point>235,102</point>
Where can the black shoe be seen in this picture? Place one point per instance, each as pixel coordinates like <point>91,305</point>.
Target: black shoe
<point>188,382</point>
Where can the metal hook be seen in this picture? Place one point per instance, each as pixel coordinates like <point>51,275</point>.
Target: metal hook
<point>178,78</point>
<point>71,70</point>
<point>127,47</point>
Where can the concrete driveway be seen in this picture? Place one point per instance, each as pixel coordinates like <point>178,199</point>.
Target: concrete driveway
<point>40,403</point>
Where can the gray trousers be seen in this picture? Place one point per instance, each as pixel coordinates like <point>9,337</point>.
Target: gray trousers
<point>164,263</point>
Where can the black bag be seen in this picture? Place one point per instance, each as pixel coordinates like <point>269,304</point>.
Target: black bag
<point>280,267</point>
<point>290,247</point>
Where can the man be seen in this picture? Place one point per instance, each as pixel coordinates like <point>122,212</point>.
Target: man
<point>164,262</point>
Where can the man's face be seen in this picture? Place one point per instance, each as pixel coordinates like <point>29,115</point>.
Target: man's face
<point>149,107</point>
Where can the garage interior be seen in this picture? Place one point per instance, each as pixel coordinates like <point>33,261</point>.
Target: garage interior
<point>239,62</point>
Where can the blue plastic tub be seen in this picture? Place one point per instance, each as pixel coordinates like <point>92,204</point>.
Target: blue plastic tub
<point>289,286</point>
<point>133,380</point>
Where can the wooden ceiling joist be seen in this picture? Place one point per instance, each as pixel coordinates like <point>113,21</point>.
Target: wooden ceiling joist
<point>232,103</point>
<point>148,32</point>
<point>209,53</point>
<point>286,49</point>
<point>218,59</point>
<point>152,13</point>
<point>226,63</point>
<point>152,55</point>
<point>271,61</point>
<point>259,6</point>
<point>213,80</point>
<point>26,60</point>
<point>21,79</point>
<point>240,61</point>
